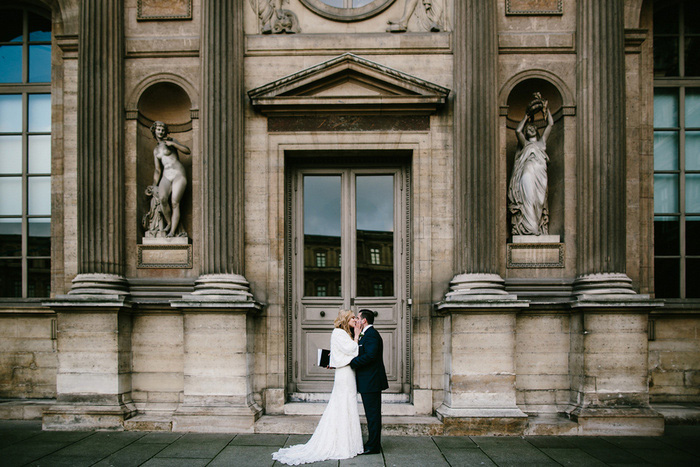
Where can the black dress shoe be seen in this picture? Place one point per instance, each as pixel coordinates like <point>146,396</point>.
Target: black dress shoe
<point>369,451</point>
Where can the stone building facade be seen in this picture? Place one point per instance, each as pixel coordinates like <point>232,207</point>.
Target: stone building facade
<point>348,154</point>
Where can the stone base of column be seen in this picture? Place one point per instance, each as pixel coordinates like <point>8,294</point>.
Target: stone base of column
<point>477,287</point>
<point>99,284</point>
<point>203,417</point>
<point>85,415</point>
<point>618,421</point>
<point>488,421</point>
<point>605,286</point>
<point>232,286</point>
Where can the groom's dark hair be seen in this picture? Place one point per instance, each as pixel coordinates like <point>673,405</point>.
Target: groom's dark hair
<point>368,315</point>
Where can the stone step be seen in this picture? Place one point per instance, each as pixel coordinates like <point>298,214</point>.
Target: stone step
<point>317,408</point>
<point>149,422</point>
<point>387,398</point>
<point>391,425</point>
<point>550,425</point>
<point>24,409</point>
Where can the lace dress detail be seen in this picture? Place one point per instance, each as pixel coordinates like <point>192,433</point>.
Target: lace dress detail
<point>338,434</point>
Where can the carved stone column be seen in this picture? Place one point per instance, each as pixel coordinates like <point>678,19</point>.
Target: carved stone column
<point>223,136</point>
<point>93,381</point>
<point>479,314</point>
<point>601,150</point>
<point>218,315</point>
<point>100,161</point>
<point>476,152</point>
<point>608,356</point>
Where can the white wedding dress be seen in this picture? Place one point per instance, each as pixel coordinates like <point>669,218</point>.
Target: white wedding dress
<point>338,434</point>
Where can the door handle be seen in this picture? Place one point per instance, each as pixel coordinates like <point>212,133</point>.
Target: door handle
<point>323,313</point>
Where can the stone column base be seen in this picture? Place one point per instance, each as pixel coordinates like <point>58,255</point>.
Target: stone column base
<point>216,419</point>
<point>86,416</point>
<point>482,421</point>
<point>618,421</point>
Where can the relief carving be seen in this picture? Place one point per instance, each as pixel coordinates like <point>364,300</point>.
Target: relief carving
<point>273,19</point>
<point>429,15</point>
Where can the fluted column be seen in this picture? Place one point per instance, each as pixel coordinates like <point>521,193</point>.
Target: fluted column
<point>601,149</point>
<point>100,162</point>
<point>223,149</point>
<point>476,150</point>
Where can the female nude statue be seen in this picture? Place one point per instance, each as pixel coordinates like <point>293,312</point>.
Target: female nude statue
<point>527,193</point>
<point>169,176</point>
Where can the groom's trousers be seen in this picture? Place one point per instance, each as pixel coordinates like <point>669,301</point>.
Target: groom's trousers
<point>372,402</point>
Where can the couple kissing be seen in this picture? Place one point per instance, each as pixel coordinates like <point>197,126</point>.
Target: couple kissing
<point>356,355</point>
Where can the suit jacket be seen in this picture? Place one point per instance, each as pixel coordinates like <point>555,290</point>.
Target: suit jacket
<point>369,363</point>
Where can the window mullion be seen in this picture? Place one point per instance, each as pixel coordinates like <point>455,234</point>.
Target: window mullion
<point>681,186</point>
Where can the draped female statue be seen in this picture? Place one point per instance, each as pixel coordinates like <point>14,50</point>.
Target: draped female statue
<point>527,193</point>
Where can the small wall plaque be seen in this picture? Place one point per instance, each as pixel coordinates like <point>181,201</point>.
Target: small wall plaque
<point>155,10</point>
<point>164,256</point>
<point>534,7</point>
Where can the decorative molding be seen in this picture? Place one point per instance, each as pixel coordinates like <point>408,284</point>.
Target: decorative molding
<point>634,38</point>
<point>131,114</point>
<point>348,123</point>
<point>534,246</point>
<point>332,87</point>
<point>534,7</point>
<point>68,43</point>
<point>141,264</point>
<point>158,10</point>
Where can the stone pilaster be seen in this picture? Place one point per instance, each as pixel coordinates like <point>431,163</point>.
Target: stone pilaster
<point>101,217</point>
<point>601,150</point>
<point>223,111</point>
<point>476,150</point>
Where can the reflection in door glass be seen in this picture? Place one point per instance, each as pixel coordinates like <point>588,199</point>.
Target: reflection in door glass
<point>322,236</point>
<point>375,235</point>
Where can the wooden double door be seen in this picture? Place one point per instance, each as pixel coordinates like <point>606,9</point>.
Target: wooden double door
<point>349,244</point>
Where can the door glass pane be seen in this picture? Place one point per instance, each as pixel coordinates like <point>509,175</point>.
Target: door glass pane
<point>692,278</point>
<point>665,194</point>
<point>375,235</point>
<point>692,150</point>
<point>40,154</point>
<point>10,237</point>
<point>692,193</point>
<point>10,63</point>
<point>39,237</point>
<point>692,56</point>
<point>665,56</point>
<point>665,108</point>
<point>667,236</point>
<point>667,277</point>
<point>666,150</point>
<point>10,154</point>
<point>39,63</point>
<point>40,196</point>
<point>40,113</point>
<point>322,235</point>
<point>38,277</point>
<point>11,283</point>
<point>11,26</point>
<point>692,108</point>
<point>10,196</point>
<point>10,112</point>
<point>692,234</point>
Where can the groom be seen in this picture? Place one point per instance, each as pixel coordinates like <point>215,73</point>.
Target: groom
<point>371,378</point>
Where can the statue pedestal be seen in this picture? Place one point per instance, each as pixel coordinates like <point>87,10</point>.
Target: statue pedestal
<point>164,252</point>
<point>535,251</point>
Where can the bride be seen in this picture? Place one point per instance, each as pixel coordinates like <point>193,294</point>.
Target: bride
<point>338,434</point>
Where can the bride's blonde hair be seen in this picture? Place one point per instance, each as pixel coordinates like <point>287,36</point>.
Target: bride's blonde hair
<point>343,320</point>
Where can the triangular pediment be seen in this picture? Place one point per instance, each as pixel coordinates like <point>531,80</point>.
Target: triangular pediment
<point>349,84</point>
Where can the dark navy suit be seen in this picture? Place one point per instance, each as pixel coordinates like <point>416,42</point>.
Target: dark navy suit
<point>371,381</point>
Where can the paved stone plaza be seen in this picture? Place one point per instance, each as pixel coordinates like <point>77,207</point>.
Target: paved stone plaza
<point>23,443</point>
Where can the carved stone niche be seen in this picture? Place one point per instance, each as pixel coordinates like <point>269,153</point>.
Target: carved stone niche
<point>169,103</point>
<point>348,93</point>
<point>538,251</point>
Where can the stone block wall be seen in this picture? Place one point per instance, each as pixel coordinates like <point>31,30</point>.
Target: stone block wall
<point>674,359</point>
<point>28,357</point>
<point>542,362</point>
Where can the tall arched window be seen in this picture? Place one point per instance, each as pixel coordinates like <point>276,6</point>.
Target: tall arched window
<point>25,153</point>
